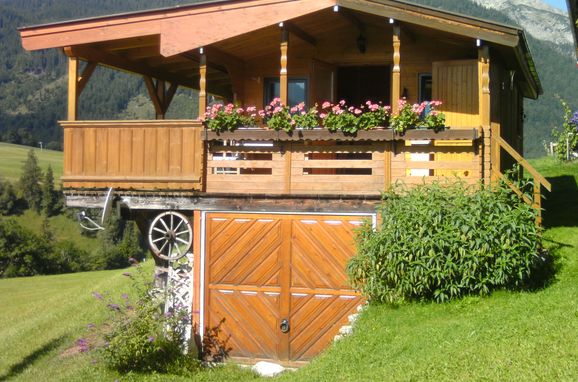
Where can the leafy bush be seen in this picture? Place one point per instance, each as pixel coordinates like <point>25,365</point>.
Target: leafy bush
<point>141,338</point>
<point>567,137</point>
<point>438,242</point>
<point>23,253</point>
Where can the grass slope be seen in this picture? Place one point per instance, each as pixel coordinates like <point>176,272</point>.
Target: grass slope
<point>62,227</point>
<point>508,336</point>
<point>14,156</point>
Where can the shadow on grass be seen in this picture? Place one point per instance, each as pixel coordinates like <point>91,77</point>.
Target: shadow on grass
<point>545,268</point>
<point>561,205</point>
<point>31,358</point>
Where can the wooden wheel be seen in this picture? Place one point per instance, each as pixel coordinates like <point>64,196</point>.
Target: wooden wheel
<point>170,235</point>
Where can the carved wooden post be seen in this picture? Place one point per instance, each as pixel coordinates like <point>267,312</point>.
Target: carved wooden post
<point>72,88</point>
<point>283,81</point>
<point>202,85</point>
<point>492,149</point>
<point>396,70</point>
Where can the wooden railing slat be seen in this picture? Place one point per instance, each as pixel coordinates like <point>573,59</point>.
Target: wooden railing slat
<point>523,162</point>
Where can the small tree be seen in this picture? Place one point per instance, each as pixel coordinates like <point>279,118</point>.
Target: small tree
<point>49,194</point>
<point>8,198</point>
<point>30,182</point>
<point>567,139</point>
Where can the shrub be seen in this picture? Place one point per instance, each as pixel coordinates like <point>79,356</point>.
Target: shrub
<point>438,242</point>
<point>566,137</point>
<point>142,338</point>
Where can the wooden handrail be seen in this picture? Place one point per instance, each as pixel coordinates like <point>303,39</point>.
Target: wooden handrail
<point>538,178</point>
<point>523,162</point>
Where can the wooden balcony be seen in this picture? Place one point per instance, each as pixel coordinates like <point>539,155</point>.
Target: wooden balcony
<point>133,155</point>
<point>321,163</point>
<point>165,156</point>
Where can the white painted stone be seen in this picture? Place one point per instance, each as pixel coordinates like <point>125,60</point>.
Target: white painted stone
<point>360,308</point>
<point>267,369</point>
<point>347,329</point>
<point>337,337</point>
<point>353,317</point>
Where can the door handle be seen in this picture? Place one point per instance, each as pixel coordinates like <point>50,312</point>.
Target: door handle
<point>284,325</point>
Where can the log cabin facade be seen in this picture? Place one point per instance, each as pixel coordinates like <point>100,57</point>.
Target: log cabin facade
<point>270,216</point>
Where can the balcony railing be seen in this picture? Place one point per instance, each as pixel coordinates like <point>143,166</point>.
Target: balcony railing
<point>138,155</point>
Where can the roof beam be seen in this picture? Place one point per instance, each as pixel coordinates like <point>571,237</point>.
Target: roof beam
<point>294,29</point>
<point>354,20</point>
<point>430,18</point>
<point>119,62</point>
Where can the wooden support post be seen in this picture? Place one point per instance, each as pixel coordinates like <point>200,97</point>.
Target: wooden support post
<point>288,165</point>
<point>484,111</point>
<point>202,85</point>
<point>72,88</point>
<point>197,239</point>
<point>387,154</point>
<point>283,80</point>
<point>396,71</point>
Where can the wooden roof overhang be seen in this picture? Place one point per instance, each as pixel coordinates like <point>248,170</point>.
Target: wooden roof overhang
<point>573,14</point>
<point>164,43</point>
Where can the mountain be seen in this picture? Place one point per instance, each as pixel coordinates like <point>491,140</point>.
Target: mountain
<point>540,20</point>
<point>33,84</point>
<point>554,60</point>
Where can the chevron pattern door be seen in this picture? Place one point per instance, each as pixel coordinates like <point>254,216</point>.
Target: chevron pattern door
<point>279,282</point>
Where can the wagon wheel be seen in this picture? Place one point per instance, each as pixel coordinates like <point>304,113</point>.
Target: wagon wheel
<point>170,235</point>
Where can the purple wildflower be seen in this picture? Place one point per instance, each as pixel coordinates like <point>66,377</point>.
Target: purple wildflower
<point>82,345</point>
<point>574,119</point>
<point>124,296</point>
<point>97,295</point>
<point>90,326</point>
<point>114,307</point>
<point>150,339</point>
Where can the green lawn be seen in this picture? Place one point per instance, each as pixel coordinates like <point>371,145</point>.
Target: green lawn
<point>527,336</point>
<point>61,226</point>
<point>12,158</point>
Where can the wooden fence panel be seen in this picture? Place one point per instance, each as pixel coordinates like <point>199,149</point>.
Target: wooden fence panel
<point>139,155</point>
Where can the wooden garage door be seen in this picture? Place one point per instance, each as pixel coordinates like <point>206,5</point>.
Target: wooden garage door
<point>262,269</point>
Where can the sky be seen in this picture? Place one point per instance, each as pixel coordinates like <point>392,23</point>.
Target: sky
<point>561,4</point>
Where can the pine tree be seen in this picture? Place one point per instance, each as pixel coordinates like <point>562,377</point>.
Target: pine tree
<point>8,198</point>
<point>49,194</point>
<point>30,182</point>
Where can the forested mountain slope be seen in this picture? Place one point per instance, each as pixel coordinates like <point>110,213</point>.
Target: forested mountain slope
<point>33,85</point>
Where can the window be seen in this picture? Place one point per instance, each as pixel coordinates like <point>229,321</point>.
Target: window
<point>425,87</point>
<point>297,90</point>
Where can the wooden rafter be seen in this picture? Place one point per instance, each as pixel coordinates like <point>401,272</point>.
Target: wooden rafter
<point>160,95</point>
<point>85,76</point>
<point>353,19</point>
<point>294,29</point>
<point>122,63</point>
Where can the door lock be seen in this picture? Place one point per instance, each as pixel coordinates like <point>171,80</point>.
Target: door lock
<point>284,325</point>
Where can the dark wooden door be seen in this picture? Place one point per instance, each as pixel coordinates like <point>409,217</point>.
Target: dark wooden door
<point>261,269</point>
<point>357,84</point>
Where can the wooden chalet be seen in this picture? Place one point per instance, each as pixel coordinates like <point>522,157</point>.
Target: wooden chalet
<point>270,216</point>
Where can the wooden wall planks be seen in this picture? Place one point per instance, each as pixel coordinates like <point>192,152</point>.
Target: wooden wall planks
<point>143,155</point>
